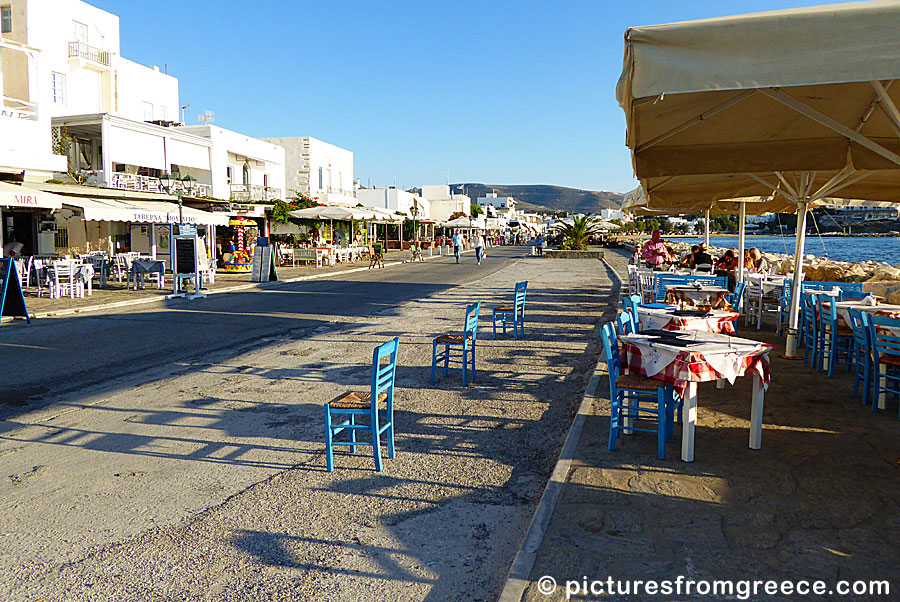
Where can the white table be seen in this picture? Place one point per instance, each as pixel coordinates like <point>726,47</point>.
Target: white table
<point>713,357</point>
<point>717,320</point>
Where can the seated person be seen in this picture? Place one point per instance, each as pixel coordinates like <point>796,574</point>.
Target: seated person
<point>728,262</point>
<point>701,257</point>
<point>759,262</point>
<point>688,260</point>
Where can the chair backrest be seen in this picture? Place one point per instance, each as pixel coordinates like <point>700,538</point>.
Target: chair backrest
<point>630,304</point>
<point>737,297</point>
<point>383,373</point>
<point>859,322</point>
<point>703,267</point>
<point>519,301</point>
<point>625,323</point>
<point>666,280</point>
<point>471,325</point>
<point>611,353</point>
<point>816,285</point>
<point>885,340</point>
<point>827,310</point>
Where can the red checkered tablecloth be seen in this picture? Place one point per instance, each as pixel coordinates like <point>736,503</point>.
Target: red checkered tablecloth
<point>663,319</point>
<point>690,365</point>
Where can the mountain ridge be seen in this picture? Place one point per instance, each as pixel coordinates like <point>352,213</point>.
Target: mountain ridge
<point>546,197</point>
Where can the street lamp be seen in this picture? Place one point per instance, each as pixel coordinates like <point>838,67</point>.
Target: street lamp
<point>182,187</point>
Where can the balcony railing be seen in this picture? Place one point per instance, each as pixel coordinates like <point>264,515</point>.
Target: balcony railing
<point>125,181</point>
<point>253,192</point>
<point>90,53</point>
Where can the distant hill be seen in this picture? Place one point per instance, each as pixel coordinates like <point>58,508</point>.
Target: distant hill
<point>543,197</point>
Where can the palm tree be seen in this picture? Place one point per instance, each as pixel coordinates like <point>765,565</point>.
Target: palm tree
<point>576,234</point>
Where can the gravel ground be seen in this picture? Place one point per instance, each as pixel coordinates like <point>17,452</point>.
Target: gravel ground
<point>207,508</point>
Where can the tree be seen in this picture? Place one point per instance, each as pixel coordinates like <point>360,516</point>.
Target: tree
<point>475,210</point>
<point>576,235</point>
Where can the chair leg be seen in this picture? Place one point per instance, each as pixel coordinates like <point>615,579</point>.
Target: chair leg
<point>472,353</point>
<point>433,359</point>
<point>614,411</point>
<point>494,324</point>
<point>465,364</point>
<point>390,437</point>
<point>661,426</point>
<point>352,421</point>
<point>329,460</point>
<point>376,443</point>
<point>446,359</point>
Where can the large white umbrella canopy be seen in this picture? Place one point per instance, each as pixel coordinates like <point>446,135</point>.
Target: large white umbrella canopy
<point>802,101</point>
<point>333,212</point>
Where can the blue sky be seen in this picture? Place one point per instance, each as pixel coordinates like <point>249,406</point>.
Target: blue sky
<point>518,92</point>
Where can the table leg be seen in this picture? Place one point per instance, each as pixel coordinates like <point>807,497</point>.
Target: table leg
<point>882,385</point>
<point>756,411</point>
<point>627,420</point>
<point>720,383</point>
<point>688,422</point>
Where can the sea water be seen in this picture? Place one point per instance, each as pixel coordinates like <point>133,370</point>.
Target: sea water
<point>838,248</point>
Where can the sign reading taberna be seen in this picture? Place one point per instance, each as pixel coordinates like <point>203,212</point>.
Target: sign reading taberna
<point>12,300</point>
<point>164,218</point>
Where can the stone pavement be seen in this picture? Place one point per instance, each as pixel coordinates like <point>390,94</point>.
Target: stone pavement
<point>119,293</point>
<point>820,500</point>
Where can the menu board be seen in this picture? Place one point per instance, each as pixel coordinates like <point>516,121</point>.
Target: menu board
<point>12,301</point>
<point>185,255</point>
<point>263,264</point>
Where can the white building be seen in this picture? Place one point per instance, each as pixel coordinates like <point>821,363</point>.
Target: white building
<point>442,203</point>
<point>394,200</point>
<point>320,170</point>
<point>242,168</point>
<point>507,203</point>
<point>611,214</point>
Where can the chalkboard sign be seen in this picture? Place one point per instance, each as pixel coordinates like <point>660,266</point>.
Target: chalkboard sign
<point>185,255</point>
<point>12,301</point>
<point>263,265</point>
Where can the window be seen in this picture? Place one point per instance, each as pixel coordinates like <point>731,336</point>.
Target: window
<point>164,113</point>
<point>265,180</point>
<point>229,174</point>
<point>58,88</point>
<point>148,111</point>
<point>321,177</point>
<point>80,33</point>
<point>61,238</point>
<point>5,19</point>
<point>85,153</point>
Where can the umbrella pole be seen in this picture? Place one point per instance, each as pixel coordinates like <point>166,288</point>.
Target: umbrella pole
<point>706,232</point>
<point>742,230</point>
<point>794,315</point>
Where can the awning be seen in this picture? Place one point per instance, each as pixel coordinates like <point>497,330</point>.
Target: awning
<point>142,212</point>
<point>12,195</point>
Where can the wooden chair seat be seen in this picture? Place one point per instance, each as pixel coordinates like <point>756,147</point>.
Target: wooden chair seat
<point>892,360</point>
<point>640,383</point>
<point>451,339</point>
<point>356,400</point>
<point>505,308</point>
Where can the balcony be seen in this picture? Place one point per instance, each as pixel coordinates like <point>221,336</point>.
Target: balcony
<point>253,192</point>
<point>125,181</point>
<point>18,109</point>
<point>83,51</point>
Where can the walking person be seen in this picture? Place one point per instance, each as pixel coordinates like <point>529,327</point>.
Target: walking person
<point>479,247</point>
<point>456,241</point>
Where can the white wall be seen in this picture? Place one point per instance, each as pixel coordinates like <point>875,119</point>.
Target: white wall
<point>305,156</point>
<point>394,199</point>
<point>231,149</point>
<point>120,88</point>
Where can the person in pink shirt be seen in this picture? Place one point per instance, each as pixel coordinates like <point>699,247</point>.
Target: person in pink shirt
<point>654,251</point>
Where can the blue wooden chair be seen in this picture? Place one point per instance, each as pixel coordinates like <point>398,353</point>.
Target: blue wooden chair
<point>625,323</point>
<point>833,340</point>
<point>630,303</point>
<point>885,356</point>
<point>459,348</point>
<point>514,313</point>
<point>809,330</point>
<point>736,298</point>
<point>355,403</point>
<point>636,397</point>
<point>862,352</point>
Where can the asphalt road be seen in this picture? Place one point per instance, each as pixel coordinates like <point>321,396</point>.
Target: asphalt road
<point>49,359</point>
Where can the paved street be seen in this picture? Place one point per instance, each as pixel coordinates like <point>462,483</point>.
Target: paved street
<point>176,451</point>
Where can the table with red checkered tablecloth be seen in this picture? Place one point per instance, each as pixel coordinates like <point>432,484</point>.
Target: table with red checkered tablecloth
<point>719,321</point>
<point>710,357</point>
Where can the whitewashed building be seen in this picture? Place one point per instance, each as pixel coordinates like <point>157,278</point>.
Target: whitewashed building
<point>442,203</point>
<point>320,170</point>
<point>394,200</point>
<point>506,203</point>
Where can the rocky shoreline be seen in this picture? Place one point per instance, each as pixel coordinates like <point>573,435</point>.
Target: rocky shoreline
<point>880,279</point>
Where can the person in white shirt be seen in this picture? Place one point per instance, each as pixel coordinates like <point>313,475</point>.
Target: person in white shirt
<point>457,244</point>
<point>479,247</point>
